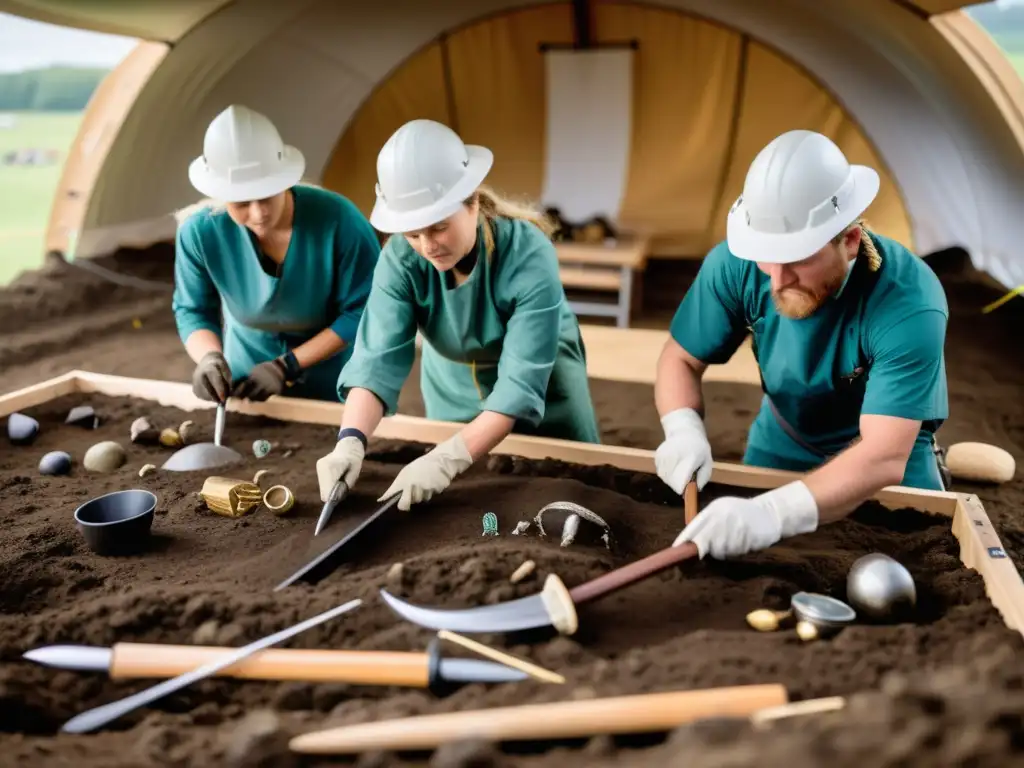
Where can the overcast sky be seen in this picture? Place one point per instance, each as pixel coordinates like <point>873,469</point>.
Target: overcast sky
<point>28,44</point>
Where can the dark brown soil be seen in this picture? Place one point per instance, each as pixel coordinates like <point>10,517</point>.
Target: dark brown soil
<point>682,630</point>
<point>945,689</point>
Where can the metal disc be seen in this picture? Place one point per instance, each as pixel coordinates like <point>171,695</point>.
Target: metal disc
<point>814,607</point>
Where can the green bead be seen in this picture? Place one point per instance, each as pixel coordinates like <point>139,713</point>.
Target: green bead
<point>490,524</point>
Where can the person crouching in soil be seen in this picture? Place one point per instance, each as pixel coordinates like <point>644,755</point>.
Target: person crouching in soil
<point>848,329</point>
<point>290,263</point>
<point>478,277</point>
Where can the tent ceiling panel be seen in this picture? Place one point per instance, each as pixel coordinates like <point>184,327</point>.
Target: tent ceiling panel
<point>705,101</point>
<point>170,20</point>
<point>164,20</point>
<point>958,165</point>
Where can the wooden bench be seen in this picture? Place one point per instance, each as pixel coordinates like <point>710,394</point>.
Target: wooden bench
<point>613,268</point>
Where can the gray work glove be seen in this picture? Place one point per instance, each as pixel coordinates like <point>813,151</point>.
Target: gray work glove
<point>264,380</point>
<point>343,463</point>
<point>211,379</point>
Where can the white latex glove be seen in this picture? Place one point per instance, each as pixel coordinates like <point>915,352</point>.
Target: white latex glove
<point>431,473</point>
<point>685,451</point>
<point>344,462</point>
<point>731,527</point>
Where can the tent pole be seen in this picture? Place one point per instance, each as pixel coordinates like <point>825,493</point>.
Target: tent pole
<point>581,23</point>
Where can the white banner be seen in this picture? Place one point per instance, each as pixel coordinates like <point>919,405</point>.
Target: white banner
<point>589,131</point>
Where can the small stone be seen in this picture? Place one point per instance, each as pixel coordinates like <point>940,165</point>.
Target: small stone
<point>465,753</point>
<point>22,429</point>
<point>83,416</point>
<point>170,438</point>
<point>55,463</point>
<point>146,469</point>
<point>143,432</point>
<point>187,431</point>
<point>394,577</point>
<point>522,571</point>
<point>259,739</point>
<point>105,457</point>
<point>206,633</point>
<point>521,527</point>
<point>260,448</point>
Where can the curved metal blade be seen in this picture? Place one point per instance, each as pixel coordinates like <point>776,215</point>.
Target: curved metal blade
<point>524,613</point>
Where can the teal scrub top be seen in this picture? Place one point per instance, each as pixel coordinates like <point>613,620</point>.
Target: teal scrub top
<point>505,340</point>
<point>874,348</point>
<point>323,282</point>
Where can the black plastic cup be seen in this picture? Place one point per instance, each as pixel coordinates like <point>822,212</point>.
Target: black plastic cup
<point>117,523</point>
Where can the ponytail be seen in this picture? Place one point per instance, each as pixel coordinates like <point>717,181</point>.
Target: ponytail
<point>493,206</point>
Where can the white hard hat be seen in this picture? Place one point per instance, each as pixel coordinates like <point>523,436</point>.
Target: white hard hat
<point>800,192</point>
<point>424,174</point>
<point>244,158</point>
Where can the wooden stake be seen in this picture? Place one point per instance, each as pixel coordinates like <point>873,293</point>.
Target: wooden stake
<point>532,670</point>
<point>690,505</point>
<point>642,713</point>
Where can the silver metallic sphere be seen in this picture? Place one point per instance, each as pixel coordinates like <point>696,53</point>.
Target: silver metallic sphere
<point>878,587</point>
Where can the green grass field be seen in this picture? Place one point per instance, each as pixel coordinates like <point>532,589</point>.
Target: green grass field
<point>27,191</point>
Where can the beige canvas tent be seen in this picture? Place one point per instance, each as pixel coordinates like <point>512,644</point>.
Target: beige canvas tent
<point>656,123</point>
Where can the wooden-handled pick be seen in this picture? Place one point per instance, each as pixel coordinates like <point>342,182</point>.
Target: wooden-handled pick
<point>690,505</point>
<point>643,713</point>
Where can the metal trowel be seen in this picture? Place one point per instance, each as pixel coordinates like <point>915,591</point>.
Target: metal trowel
<point>204,455</point>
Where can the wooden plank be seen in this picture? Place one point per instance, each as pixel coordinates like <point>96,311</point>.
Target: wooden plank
<point>624,253</point>
<point>981,549</point>
<point>631,354</point>
<point>590,279</point>
<point>37,394</point>
<point>417,429</point>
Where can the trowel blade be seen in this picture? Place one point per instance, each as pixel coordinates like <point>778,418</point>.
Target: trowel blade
<point>524,613</point>
<point>201,456</point>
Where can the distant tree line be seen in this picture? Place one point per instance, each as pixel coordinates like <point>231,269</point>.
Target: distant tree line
<point>55,89</point>
<point>1005,24</point>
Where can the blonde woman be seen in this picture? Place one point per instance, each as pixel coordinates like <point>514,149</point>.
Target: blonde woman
<point>478,277</point>
<point>290,264</point>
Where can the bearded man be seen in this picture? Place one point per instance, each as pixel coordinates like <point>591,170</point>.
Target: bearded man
<point>848,329</point>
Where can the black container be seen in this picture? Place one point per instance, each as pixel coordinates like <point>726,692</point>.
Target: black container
<point>117,523</point>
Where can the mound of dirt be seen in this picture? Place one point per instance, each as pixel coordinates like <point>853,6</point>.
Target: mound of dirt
<point>208,579</point>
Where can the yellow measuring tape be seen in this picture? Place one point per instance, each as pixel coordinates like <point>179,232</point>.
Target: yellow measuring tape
<point>999,302</point>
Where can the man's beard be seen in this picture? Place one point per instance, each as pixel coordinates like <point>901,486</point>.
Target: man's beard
<point>799,303</point>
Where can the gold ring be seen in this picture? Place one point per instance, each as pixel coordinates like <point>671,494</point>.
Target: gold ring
<point>278,499</point>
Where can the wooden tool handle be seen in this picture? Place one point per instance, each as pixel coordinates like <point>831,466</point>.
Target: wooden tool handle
<point>641,569</point>
<point>690,505</point>
<point>643,713</point>
<point>131,660</point>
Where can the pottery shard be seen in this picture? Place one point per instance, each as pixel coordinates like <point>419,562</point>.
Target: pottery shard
<point>105,457</point>
<point>83,416</point>
<point>144,433</point>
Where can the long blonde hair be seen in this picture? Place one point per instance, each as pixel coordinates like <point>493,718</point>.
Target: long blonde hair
<point>867,245</point>
<point>218,206</point>
<point>493,206</point>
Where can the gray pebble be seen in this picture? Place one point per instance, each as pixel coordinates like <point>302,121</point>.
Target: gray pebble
<point>55,463</point>
<point>22,429</point>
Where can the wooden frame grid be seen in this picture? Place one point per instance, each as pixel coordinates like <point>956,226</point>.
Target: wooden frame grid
<point>980,547</point>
